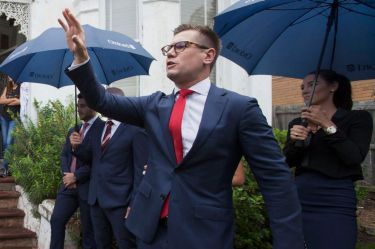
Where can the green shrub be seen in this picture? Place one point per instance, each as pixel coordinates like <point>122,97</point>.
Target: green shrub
<point>252,228</point>
<point>34,157</point>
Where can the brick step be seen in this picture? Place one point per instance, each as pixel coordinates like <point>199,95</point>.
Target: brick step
<point>7,183</point>
<point>17,238</point>
<point>9,199</point>
<point>11,218</point>
<point>23,247</point>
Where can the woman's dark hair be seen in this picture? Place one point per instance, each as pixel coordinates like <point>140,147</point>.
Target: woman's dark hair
<point>343,95</point>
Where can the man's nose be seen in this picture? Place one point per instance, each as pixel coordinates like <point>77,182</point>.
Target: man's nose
<point>171,53</point>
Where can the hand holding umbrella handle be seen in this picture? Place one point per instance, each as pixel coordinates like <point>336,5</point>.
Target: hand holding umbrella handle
<point>75,37</point>
<point>306,142</point>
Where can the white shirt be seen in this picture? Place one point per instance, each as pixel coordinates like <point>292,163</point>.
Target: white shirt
<point>193,113</point>
<point>114,127</point>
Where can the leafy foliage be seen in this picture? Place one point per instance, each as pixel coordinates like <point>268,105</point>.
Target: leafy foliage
<point>252,228</point>
<point>34,157</point>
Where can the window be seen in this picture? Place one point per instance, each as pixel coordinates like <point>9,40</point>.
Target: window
<point>199,12</point>
<point>122,17</point>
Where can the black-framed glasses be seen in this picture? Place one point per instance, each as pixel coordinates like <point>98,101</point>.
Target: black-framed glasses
<point>180,46</point>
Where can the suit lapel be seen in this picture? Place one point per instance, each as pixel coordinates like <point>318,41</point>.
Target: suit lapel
<point>120,129</point>
<point>164,109</point>
<point>212,113</point>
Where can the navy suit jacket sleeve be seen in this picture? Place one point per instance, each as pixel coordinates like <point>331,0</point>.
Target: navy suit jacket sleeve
<point>107,103</point>
<point>264,156</point>
<point>66,156</point>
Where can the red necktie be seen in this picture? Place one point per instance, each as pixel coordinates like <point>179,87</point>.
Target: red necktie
<point>73,164</point>
<point>107,135</point>
<point>175,122</point>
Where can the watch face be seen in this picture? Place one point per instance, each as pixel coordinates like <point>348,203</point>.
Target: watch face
<point>331,130</point>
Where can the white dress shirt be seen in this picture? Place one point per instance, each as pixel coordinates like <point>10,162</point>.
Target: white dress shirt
<point>114,127</point>
<point>193,113</point>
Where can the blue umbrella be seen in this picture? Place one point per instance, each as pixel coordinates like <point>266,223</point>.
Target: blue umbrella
<point>292,38</point>
<point>113,55</point>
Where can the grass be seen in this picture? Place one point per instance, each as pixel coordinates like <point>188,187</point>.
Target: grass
<point>363,245</point>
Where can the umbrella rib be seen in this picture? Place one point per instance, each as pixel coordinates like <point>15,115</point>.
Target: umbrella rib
<point>62,71</point>
<point>356,11</point>
<point>101,65</point>
<point>144,69</point>
<point>366,4</point>
<point>244,19</point>
<point>317,14</point>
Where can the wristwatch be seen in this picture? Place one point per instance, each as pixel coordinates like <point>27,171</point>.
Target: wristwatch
<point>330,130</point>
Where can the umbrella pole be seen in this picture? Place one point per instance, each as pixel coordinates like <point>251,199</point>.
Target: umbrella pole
<point>331,18</point>
<point>75,108</point>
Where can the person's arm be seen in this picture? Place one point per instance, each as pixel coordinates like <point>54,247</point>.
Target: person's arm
<point>65,155</point>
<point>263,154</point>
<point>353,147</point>
<point>123,109</point>
<point>3,99</point>
<point>14,101</point>
<point>83,151</point>
<point>239,176</point>
<point>293,154</point>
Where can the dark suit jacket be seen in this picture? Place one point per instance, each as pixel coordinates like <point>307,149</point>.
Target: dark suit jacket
<point>82,172</point>
<point>116,171</point>
<point>201,214</point>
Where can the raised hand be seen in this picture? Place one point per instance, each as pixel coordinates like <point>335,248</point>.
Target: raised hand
<point>75,37</point>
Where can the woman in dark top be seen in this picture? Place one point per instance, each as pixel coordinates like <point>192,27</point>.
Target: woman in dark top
<point>329,163</point>
<point>10,99</point>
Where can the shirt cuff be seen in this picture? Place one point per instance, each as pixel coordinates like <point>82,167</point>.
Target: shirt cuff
<point>74,66</point>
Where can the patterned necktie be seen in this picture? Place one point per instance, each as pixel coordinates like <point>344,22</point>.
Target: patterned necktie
<point>175,122</point>
<point>107,135</point>
<point>73,164</point>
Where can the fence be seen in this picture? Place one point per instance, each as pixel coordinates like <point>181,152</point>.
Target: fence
<point>281,116</point>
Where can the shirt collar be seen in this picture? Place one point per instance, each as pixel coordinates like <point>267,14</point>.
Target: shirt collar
<point>202,87</point>
<point>91,121</point>
<point>115,122</point>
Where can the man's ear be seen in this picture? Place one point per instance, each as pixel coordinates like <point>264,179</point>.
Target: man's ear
<point>209,56</point>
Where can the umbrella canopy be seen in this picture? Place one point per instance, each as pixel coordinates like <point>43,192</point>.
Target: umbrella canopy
<point>290,38</point>
<point>113,55</point>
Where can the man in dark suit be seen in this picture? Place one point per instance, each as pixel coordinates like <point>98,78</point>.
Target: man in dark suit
<point>117,153</point>
<point>74,190</point>
<point>197,136</point>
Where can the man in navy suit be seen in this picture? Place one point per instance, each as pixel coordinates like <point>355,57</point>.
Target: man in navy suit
<point>197,136</point>
<point>117,153</point>
<point>74,190</point>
